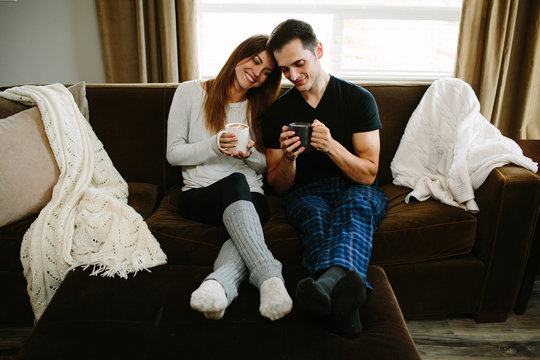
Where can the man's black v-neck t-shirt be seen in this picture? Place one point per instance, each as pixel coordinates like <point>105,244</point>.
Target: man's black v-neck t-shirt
<point>344,108</point>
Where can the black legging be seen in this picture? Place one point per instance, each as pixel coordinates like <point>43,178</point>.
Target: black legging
<point>207,204</point>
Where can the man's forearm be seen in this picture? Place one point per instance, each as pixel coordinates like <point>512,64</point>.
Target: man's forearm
<point>281,177</point>
<point>361,171</point>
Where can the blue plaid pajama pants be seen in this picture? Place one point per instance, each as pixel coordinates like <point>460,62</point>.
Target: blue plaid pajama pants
<point>336,219</point>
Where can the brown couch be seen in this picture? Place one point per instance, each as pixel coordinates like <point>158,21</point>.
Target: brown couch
<point>440,260</point>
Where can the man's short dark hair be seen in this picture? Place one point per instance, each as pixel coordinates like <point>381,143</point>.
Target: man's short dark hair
<point>289,30</point>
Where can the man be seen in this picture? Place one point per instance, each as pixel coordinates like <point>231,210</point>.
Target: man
<point>329,191</point>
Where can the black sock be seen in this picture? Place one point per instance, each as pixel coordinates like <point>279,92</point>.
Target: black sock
<point>348,296</point>
<point>347,325</point>
<point>330,277</point>
<point>315,295</point>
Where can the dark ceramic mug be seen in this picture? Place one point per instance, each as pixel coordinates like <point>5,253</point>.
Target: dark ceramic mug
<point>303,131</point>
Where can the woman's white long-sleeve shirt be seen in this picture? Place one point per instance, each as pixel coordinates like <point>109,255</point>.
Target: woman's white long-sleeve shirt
<point>190,145</point>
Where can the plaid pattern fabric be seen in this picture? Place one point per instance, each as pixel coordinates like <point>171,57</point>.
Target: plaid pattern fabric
<point>336,219</point>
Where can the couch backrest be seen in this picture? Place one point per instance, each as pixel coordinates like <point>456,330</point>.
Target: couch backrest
<point>131,121</point>
<point>396,104</point>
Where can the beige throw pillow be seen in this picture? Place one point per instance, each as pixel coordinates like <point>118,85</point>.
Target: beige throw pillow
<point>28,170</point>
<point>79,95</point>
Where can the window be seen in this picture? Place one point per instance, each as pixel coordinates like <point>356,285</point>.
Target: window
<point>363,40</point>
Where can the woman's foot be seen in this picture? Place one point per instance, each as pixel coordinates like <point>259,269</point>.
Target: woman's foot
<point>210,299</point>
<point>275,300</point>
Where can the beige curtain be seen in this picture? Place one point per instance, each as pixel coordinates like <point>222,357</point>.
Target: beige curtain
<point>148,40</point>
<point>498,52</point>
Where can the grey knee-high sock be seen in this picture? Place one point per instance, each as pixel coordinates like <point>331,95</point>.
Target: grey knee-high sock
<point>229,270</point>
<point>244,227</point>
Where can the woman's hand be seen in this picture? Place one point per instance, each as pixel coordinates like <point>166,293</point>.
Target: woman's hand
<point>227,141</point>
<point>242,156</point>
<point>227,144</point>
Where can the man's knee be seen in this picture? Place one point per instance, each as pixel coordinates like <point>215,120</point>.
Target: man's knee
<point>312,207</point>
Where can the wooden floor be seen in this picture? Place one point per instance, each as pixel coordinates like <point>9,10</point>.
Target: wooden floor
<point>462,338</point>
<point>446,338</point>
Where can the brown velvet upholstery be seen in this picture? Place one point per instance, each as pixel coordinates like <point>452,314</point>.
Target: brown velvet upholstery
<point>142,197</point>
<point>148,317</point>
<point>440,260</point>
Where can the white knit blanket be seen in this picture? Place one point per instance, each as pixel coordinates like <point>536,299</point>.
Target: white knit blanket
<point>87,222</point>
<point>448,148</point>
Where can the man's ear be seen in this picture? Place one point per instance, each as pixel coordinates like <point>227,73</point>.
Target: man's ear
<point>319,50</point>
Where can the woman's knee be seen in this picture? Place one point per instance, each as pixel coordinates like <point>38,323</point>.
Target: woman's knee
<point>235,181</point>
<point>235,187</point>
<point>261,205</point>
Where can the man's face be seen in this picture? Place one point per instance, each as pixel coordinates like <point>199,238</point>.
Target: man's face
<point>300,66</point>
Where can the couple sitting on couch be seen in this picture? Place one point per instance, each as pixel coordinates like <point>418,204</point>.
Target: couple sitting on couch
<point>330,196</point>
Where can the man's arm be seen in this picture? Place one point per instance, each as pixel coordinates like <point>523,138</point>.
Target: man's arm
<point>361,167</point>
<point>281,163</point>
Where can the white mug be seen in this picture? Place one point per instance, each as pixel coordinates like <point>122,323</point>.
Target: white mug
<point>242,134</point>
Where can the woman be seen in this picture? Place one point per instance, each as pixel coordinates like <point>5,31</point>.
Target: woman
<point>223,186</point>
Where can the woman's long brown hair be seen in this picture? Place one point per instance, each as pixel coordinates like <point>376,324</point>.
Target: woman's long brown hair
<point>259,98</point>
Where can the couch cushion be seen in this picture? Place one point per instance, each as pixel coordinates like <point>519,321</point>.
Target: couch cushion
<point>130,122</point>
<point>413,232</point>
<point>142,197</point>
<point>185,241</point>
<point>10,244</point>
<point>148,316</point>
<point>190,242</point>
<point>281,237</point>
<point>421,231</point>
<point>28,170</point>
<point>8,107</point>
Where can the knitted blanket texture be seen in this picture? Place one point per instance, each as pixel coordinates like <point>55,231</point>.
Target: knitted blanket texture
<point>448,148</point>
<point>87,222</point>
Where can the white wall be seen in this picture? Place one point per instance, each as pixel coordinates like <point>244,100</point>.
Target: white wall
<point>47,41</point>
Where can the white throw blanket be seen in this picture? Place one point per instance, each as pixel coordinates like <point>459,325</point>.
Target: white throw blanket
<point>87,222</point>
<point>448,148</point>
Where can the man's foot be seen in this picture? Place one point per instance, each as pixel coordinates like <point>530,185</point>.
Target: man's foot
<point>275,300</point>
<point>348,294</point>
<point>347,325</point>
<point>313,297</point>
<point>210,299</point>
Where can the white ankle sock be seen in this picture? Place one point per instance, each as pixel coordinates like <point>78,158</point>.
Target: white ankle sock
<point>210,299</point>
<point>275,300</point>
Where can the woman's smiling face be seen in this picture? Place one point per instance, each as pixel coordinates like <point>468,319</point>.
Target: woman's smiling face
<point>253,71</point>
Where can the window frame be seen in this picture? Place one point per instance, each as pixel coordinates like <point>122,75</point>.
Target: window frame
<point>343,12</point>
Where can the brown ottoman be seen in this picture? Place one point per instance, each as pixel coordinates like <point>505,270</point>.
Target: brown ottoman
<point>148,317</point>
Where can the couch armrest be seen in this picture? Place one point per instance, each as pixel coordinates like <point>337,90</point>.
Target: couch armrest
<point>509,203</point>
